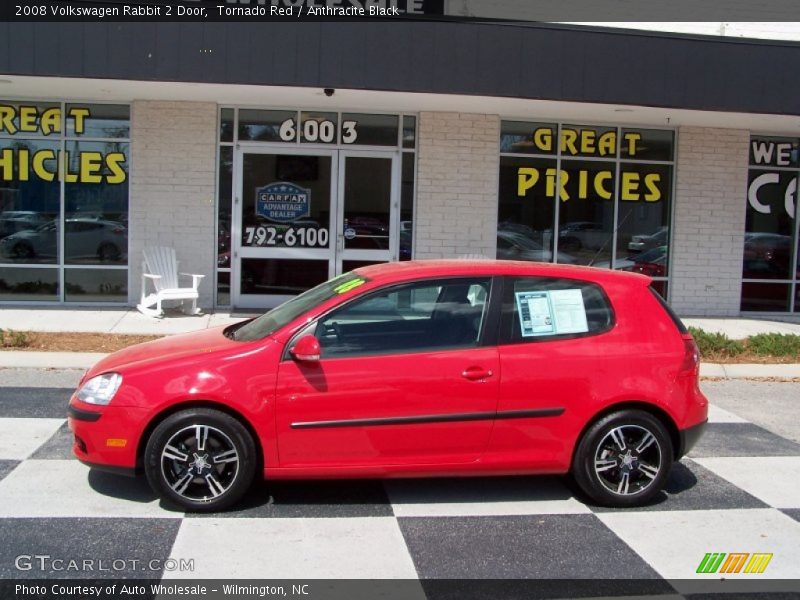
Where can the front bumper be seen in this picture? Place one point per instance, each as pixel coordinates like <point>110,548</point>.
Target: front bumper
<point>106,437</point>
<point>689,437</point>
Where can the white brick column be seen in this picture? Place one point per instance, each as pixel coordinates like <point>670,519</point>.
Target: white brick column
<point>173,166</point>
<point>709,221</point>
<point>457,178</point>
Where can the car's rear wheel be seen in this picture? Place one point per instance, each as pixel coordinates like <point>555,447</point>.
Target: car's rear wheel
<point>202,459</point>
<point>623,459</point>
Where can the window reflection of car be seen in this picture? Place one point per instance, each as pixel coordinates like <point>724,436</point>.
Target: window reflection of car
<point>84,238</point>
<point>767,256</point>
<point>640,243</point>
<point>653,262</point>
<point>515,246</point>
<point>12,221</point>
<point>577,235</point>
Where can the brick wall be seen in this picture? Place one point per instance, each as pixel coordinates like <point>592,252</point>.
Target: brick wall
<point>457,175</point>
<point>709,221</point>
<point>173,166</point>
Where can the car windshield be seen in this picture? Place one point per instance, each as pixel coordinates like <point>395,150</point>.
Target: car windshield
<point>282,315</point>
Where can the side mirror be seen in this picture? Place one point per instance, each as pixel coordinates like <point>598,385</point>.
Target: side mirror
<point>306,349</point>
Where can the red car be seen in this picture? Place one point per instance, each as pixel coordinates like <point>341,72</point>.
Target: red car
<point>410,369</point>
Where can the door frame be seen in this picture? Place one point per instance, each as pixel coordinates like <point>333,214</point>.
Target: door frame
<point>335,253</point>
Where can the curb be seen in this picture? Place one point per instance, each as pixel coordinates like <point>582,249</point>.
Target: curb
<point>83,360</point>
<point>49,360</point>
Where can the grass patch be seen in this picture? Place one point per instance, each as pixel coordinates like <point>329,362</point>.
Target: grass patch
<point>774,344</point>
<point>716,344</point>
<point>761,348</point>
<point>14,339</point>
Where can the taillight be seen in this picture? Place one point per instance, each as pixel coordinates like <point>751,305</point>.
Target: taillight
<point>691,357</point>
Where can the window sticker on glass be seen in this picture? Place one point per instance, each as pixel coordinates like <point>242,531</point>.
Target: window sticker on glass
<point>569,311</point>
<point>350,285</point>
<point>535,313</point>
<point>555,312</point>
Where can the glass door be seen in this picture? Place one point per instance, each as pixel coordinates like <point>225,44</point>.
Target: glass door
<point>282,224</point>
<point>302,216</point>
<point>368,209</point>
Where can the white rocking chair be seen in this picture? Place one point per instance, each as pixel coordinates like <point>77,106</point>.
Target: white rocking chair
<point>160,266</point>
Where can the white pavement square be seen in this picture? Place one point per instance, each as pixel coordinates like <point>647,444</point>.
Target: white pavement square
<point>720,415</point>
<point>691,534</point>
<point>357,548</point>
<point>65,488</point>
<point>19,438</point>
<point>772,479</point>
<point>482,497</point>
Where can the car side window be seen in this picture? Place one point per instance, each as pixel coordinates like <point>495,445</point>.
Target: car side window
<point>421,316</point>
<point>546,308</point>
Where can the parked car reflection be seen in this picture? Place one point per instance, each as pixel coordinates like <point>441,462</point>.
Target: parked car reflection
<point>93,239</point>
<point>512,245</point>
<point>767,256</point>
<point>640,243</point>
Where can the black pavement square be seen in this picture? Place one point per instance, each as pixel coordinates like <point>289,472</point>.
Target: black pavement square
<point>792,512</point>
<point>742,439</point>
<point>6,466</point>
<point>22,402</point>
<point>310,499</point>
<point>132,543</point>
<point>519,547</point>
<point>59,446</point>
<point>691,486</point>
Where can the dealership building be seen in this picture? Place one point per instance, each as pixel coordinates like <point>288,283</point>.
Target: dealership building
<point>274,155</point>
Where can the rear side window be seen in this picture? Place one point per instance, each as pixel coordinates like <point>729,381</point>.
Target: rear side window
<point>544,308</point>
<point>675,319</point>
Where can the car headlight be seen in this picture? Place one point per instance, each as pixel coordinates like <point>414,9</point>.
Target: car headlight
<point>100,390</point>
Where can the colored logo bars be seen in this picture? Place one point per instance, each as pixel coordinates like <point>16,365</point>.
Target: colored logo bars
<point>736,562</point>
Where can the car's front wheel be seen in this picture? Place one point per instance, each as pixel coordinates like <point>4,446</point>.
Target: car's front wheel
<point>202,459</point>
<point>623,459</point>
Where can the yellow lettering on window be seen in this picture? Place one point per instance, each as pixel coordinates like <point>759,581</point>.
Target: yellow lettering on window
<point>38,165</point>
<point>632,137</point>
<point>526,179</point>
<point>651,182</point>
<point>630,187</point>
<point>7,164</point>
<point>91,164</point>
<point>78,115</point>
<point>114,162</point>
<point>7,119</point>
<point>543,139</point>
<point>27,118</point>
<point>588,137</point>
<point>599,188</point>
<point>51,121</point>
<point>608,143</point>
<point>568,138</point>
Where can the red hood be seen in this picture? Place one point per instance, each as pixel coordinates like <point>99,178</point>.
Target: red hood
<point>172,347</point>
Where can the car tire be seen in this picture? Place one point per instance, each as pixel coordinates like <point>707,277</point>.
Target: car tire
<point>201,459</point>
<point>108,253</point>
<point>22,250</point>
<point>623,459</point>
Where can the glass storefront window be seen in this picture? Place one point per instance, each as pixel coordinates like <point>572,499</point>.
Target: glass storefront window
<point>263,125</point>
<point>226,118</point>
<point>225,197</point>
<point>371,130</point>
<point>29,201</point>
<point>770,248</point>
<point>409,132</point>
<point>98,121</point>
<point>80,150</point>
<point>407,206</point>
<point>96,285</point>
<point>21,285</point>
<point>96,203</point>
<point>606,191</point>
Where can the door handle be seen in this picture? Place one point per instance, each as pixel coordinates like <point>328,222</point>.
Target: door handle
<point>476,373</point>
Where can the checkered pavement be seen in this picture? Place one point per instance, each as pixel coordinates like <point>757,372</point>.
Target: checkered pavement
<point>737,491</point>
